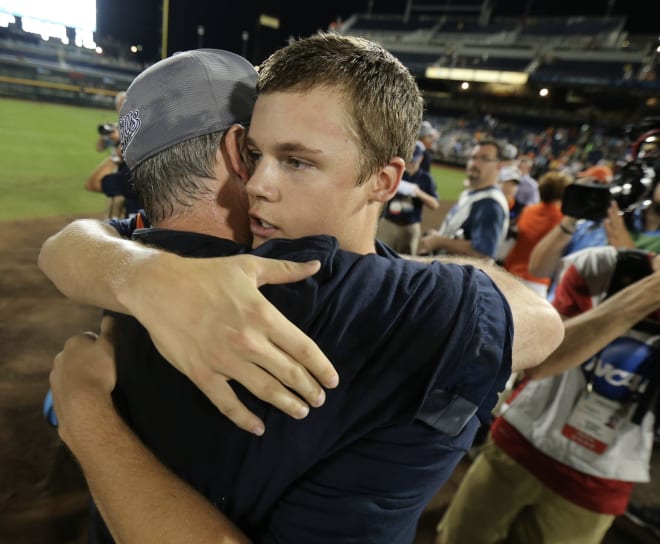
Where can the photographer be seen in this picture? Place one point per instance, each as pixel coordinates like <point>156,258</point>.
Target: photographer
<point>109,132</point>
<point>563,458</point>
<point>593,215</point>
<point>111,176</point>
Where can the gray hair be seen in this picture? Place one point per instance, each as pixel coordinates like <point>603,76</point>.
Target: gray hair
<point>177,177</point>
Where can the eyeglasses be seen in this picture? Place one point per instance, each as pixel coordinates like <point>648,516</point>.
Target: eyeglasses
<point>479,158</point>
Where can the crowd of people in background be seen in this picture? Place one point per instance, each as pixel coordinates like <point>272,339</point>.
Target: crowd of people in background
<point>547,147</point>
<point>111,176</point>
<point>570,441</point>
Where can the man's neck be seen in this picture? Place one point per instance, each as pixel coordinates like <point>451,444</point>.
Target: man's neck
<point>475,185</point>
<point>201,221</point>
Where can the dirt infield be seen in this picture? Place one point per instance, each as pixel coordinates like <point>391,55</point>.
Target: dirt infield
<point>43,498</point>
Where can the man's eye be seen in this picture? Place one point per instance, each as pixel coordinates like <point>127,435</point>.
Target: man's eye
<point>253,155</point>
<point>297,163</point>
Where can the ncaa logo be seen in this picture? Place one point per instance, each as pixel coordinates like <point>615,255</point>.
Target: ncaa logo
<point>622,369</point>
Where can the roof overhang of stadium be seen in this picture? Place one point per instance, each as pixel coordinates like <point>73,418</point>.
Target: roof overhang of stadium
<point>481,76</point>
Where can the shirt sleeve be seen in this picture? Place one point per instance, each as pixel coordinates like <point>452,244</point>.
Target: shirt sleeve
<point>486,224</point>
<point>585,279</point>
<point>572,295</point>
<point>476,359</point>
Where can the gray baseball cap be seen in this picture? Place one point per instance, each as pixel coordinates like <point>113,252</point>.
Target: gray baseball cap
<point>426,129</point>
<point>189,94</point>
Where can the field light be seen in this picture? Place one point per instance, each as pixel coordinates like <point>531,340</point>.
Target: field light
<point>478,75</point>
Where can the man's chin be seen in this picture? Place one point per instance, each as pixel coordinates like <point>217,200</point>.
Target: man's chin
<point>258,240</point>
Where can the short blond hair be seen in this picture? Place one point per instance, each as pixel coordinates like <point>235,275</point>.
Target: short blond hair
<point>383,101</point>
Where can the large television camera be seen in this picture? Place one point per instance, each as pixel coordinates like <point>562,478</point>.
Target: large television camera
<point>631,188</point>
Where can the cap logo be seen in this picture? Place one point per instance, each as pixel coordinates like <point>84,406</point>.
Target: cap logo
<point>129,124</point>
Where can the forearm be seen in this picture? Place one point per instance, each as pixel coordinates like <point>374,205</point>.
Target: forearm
<point>428,200</point>
<point>547,252</point>
<point>89,263</point>
<point>139,498</point>
<point>458,247</point>
<point>93,183</point>
<point>588,333</point>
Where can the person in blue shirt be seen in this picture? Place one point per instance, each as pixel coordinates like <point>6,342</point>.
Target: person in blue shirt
<point>428,136</point>
<point>400,226</point>
<point>416,382</point>
<point>477,224</point>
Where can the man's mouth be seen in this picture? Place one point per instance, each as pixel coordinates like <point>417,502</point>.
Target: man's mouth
<point>261,227</point>
<point>263,223</point>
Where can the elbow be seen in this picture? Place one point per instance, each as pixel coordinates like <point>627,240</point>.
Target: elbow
<point>552,333</point>
<point>536,372</point>
<point>93,185</point>
<point>537,341</point>
<point>44,257</point>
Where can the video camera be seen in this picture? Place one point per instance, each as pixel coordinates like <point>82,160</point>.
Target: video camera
<point>631,188</point>
<point>108,137</point>
<point>106,129</point>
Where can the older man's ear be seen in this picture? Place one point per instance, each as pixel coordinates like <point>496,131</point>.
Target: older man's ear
<point>236,150</point>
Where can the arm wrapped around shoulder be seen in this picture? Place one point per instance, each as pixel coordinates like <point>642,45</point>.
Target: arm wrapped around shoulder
<point>537,327</point>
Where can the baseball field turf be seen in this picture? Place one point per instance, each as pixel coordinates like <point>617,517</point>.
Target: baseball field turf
<point>48,150</point>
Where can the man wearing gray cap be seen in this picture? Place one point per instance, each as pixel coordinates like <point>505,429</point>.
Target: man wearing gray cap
<point>348,471</point>
<point>427,136</point>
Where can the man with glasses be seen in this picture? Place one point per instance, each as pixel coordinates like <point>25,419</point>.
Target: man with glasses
<point>478,222</point>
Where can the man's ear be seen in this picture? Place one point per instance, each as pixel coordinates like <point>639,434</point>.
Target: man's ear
<point>388,179</point>
<point>235,146</point>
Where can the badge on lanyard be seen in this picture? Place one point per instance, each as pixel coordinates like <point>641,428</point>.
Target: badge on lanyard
<point>595,421</point>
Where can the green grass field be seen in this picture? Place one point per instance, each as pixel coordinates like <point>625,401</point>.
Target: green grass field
<point>47,151</point>
<point>448,180</point>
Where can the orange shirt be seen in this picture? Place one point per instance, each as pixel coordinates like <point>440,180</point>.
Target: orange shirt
<point>535,221</point>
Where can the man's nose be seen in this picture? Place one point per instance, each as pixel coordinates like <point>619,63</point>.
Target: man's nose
<point>262,182</point>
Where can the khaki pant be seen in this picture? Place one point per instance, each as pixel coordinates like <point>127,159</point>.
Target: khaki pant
<point>499,501</point>
<point>404,239</point>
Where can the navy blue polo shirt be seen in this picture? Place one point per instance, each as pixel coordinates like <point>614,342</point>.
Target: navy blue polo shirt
<point>406,210</point>
<point>421,351</point>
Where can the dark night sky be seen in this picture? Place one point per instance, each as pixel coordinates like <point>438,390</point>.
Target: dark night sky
<point>225,21</point>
